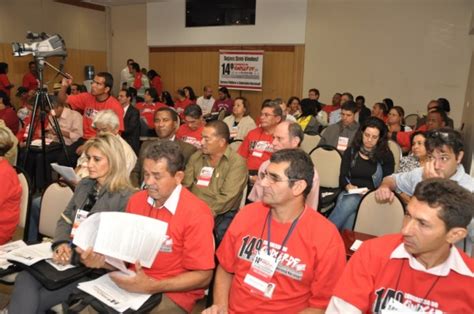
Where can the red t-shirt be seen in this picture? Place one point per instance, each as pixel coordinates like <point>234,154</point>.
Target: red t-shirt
<point>256,148</point>
<point>330,108</point>
<point>189,136</point>
<point>11,120</point>
<point>227,105</point>
<point>190,242</point>
<point>4,82</point>
<point>309,267</point>
<point>87,104</point>
<point>147,111</point>
<point>370,279</point>
<point>9,201</point>
<point>181,105</point>
<point>156,83</point>
<point>22,134</point>
<point>30,81</point>
<point>403,138</point>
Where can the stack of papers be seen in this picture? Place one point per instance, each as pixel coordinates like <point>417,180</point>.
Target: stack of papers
<point>105,290</point>
<point>29,255</point>
<point>37,142</point>
<point>358,191</point>
<point>4,249</point>
<point>67,173</point>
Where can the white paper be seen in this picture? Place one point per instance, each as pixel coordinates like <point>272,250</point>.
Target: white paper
<point>37,142</point>
<point>104,289</point>
<point>66,172</point>
<point>123,236</point>
<point>31,254</point>
<point>4,249</point>
<point>358,191</point>
<point>355,246</point>
<point>59,267</point>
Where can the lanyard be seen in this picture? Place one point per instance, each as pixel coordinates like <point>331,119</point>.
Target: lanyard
<point>427,293</point>
<point>268,222</point>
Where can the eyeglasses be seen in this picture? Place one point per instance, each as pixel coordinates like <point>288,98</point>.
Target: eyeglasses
<point>438,134</point>
<point>266,115</point>
<point>273,178</point>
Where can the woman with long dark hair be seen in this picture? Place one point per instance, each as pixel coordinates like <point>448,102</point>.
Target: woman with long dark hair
<point>155,81</point>
<point>5,84</point>
<point>189,92</point>
<point>364,164</point>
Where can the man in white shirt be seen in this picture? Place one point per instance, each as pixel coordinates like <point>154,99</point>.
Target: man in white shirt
<point>126,74</point>
<point>206,101</point>
<point>418,270</point>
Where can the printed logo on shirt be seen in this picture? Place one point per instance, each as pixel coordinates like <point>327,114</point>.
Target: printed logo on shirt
<point>167,246</point>
<point>192,140</point>
<point>383,296</point>
<point>261,145</point>
<point>288,265</point>
<point>90,113</point>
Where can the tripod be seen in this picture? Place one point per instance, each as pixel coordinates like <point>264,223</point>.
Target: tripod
<point>42,103</point>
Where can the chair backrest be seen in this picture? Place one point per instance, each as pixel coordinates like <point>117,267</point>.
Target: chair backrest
<point>310,142</point>
<point>244,196</point>
<point>235,145</point>
<point>397,153</point>
<point>379,218</point>
<point>25,201</point>
<point>412,120</point>
<point>54,201</point>
<point>221,115</point>
<point>327,161</point>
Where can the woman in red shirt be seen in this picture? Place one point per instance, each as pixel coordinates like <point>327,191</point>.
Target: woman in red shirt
<point>155,81</point>
<point>149,106</point>
<point>181,102</point>
<point>5,84</point>
<point>7,113</point>
<point>11,192</point>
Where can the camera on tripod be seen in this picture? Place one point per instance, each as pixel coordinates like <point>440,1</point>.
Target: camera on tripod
<point>41,45</point>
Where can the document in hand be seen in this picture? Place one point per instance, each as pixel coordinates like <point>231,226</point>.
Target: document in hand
<point>123,236</point>
<point>4,249</point>
<point>66,172</point>
<point>105,290</point>
<point>29,255</point>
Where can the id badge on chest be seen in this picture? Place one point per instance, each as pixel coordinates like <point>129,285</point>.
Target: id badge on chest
<point>205,176</point>
<point>81,215</point>
<point>393,307</point>
<point>260,148</point>
<point>233,131</point>
<point>258,279</point>
<point>342,143</point>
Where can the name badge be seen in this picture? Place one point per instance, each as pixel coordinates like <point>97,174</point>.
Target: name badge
<point>233,131</point>
<point>393,307</point>
<point>258,279</point>
<point>342,143</point>
<point>260,148</point>
<point>81,215</point>
<point>205,176</point>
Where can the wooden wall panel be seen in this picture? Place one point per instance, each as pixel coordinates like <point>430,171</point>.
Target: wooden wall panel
<point>74,65</point>
<point>198,66</point>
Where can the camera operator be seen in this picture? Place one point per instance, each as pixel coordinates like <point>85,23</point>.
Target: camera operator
<point>89,104</point>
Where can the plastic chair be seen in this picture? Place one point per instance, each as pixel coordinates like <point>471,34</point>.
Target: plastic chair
<point>310,142</point>
<point>25,201</point>
<point>412,120</point>
<point>54,201</point>
<point>379,218</point>
<point>235,144</point>
<point>397,153</point>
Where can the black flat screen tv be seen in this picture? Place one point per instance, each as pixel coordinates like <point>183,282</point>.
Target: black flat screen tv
<point>201,13</point>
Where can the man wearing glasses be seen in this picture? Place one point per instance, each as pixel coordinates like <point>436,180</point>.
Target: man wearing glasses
<point>445,149</point>
<point>279,256</point>
<point>257,145</point>
<point>89,104</point>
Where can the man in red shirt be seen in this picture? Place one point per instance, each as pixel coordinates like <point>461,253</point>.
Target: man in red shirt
<point>181,102</point>
<point>279,256</point>
<point>30,79</point>
<point>89,104</point>
<point>419,270</point>
<point>191,131</point>
<point>7,113</point>
<point>257,145</point>
<point>183,267</point>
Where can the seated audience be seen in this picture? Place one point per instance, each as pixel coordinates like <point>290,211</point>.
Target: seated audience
<point>379,110</point>
<point>192,127</point>
<point>181,102</point>
<point>126,75</point>
<point>364,164</point>
<point>287,135</point>
<point>444,105</point>
<point>12,154</point>
<point>189,93</point>
<point>418,270</point>
<point>90,104</point>
<point>240,123</point>
<point>307,121</point>
<point>217,175</point>
<point>30,79</point>
<point>183,267</point>
<point>445,149</point>
<point>418,156</point>
<point>335,115</point>
<point>341,134</point>
<point>131,120</point>
<point>224,102</point>
<point>10,197</point>
<point>166,125</point>
<point>279,256</point>
<point>148,107</point>
<point>155,81</point>
<point>363,112</point>
<point>395,121</point>
<point>257,147</point>
<point>206,101</point>
<point>167,99</point>
<point>335,104</point>
<point>106,189</point>
<point>294,106</point>
<point>7,113</point>
<point>388,103</point>
<point>5,85</point>
<point>285,109</point>
<point>26,99</point>
<point>139,81</point>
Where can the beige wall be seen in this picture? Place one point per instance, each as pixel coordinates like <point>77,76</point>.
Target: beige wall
<point>128,37</point>
<point>408,50</point>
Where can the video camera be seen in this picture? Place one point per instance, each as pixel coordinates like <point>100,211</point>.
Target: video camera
<point>41,45</point>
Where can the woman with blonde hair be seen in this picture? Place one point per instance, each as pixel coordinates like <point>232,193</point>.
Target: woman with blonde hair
<point>107,188</point>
